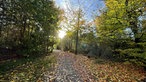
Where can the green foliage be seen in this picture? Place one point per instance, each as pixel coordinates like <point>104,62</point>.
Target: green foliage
<point>136,56</point>
<point>119,16</point>
<point>120,28</point>
<point>28,26</point>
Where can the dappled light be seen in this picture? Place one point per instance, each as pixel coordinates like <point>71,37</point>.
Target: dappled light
<point>72,40</point>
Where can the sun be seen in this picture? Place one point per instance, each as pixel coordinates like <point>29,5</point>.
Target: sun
<point>61,34</point>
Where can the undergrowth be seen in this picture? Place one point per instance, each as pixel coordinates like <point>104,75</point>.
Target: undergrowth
<point>26,70</point>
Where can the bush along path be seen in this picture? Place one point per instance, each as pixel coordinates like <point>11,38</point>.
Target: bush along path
<point>79,68</point>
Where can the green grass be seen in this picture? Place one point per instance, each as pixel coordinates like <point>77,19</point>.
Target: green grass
<point>26,70</point>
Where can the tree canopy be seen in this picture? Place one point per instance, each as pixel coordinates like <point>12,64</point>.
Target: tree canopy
<point>122,28</point>
<point>28,25</point>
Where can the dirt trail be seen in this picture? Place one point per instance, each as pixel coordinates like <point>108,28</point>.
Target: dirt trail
<point>68,70</point>
<point>65,71</point>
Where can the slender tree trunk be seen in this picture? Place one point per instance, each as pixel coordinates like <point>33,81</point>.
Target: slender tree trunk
<point>76,51</point>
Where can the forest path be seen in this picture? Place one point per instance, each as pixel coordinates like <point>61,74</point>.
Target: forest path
<point>69,70</point>
<point>65,69</point>
<point>79,68</point>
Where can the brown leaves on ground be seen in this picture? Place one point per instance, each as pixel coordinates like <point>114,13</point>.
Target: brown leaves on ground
<point>31,71</point>
<point>99,70</point>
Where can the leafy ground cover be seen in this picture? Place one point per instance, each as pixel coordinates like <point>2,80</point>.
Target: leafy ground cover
<point>24,70</point>
<point>69,66</point>
<point>65,70</point>
<point>107,71</point>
